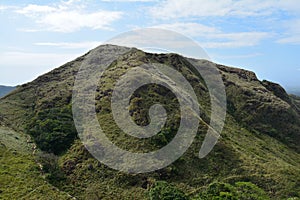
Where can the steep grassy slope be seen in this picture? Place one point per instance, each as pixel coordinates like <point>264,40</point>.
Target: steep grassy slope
<point>54,89</point>
<point>20,175</point>
<point>262,106</point>
<point>257,156</point>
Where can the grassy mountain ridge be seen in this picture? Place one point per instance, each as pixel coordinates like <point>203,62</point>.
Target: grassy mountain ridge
<point>257,155</point>
<point>263,106</point>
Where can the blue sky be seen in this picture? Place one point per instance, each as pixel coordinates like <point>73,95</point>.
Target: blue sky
<point>262,36</point>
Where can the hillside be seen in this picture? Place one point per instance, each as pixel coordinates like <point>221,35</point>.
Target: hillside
<point>256,157</point>
<point>5,90</point>
<point>294,91</point>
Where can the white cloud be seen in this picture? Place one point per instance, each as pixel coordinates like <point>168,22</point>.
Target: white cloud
<point>292,33</point>
<point>68,17</point>
<point>177,8</point>
<point>17,58</point>
<point>235,40</point>
<point>292,39</point>
<point>71,45</point>
<point>34,10</point>
<point>289,5</point>
<point>3,8</point>
<point>190,29</point>
<point>130,0</point>
<point>241,56</point>
<point>202,8</point>
<point>211,37</point>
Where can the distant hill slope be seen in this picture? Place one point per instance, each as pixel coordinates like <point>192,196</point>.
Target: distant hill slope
<point>5,90</point>
<point>257,156</point>
<point>294,92</point>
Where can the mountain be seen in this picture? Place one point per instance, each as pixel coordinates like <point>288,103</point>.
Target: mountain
<point>5,90</point>
<point>294,91</point>
<point>256,157</point>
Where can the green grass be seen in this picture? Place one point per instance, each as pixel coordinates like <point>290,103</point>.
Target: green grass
<point>20,176</point>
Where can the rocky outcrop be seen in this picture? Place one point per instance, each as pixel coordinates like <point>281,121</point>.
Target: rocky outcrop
<point>277,90</point>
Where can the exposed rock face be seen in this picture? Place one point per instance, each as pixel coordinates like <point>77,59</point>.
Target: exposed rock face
<point>277,90</point>
<point>241,73</point>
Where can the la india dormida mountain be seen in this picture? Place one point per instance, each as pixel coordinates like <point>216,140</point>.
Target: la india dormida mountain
<point>256,157</point>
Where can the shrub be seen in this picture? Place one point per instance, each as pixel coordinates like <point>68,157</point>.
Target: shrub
<point>240,190</point>
<point>53,129</point>
<point>249,191</point>
<point>163,191</point>
<point>53,172</point>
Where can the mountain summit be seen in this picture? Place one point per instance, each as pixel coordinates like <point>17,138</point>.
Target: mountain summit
<point>256,157</point>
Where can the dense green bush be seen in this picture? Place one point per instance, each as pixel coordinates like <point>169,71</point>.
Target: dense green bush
<point>249,191</point>
<point>53,129</point>
<point>163,137</point>
<point>240,190</point>
<point>163,191</point>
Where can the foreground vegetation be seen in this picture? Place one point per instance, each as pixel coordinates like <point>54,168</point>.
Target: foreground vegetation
<point>20,175</point>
